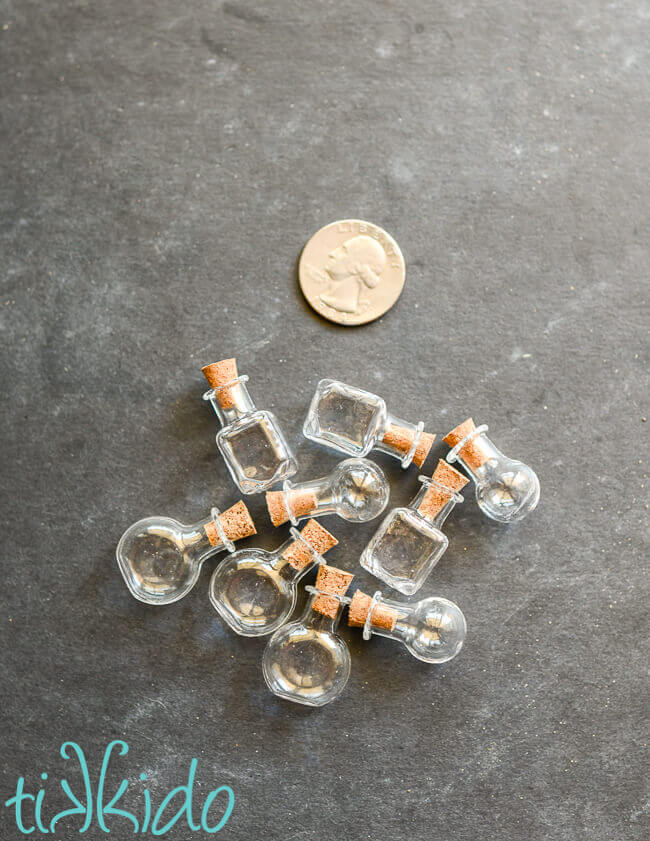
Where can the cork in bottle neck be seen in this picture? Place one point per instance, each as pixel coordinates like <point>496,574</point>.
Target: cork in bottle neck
<point>308,546</point>
<point>440,490</point>
<point>331,586</point>
<point>371,613</point>
<point>228,392</point>
<point>233,524</point>
<point>469,444</point>
<point>290,504</point>
<point>407,441</point>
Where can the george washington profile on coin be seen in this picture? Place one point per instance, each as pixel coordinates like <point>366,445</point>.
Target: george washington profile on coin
<point>351,272</point>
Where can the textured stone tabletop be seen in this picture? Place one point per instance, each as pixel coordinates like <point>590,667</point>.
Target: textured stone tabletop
<point>162,167</point>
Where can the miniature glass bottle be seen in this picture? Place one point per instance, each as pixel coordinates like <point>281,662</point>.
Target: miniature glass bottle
<point>160,559</point>
<point>255,591</point>
<point>357,490</point>
<point>355,421</point>
<point>433,630</point>
<point>409,542</point>
<point>251,441</point>
<point>506,490</point>
<point>307,661</point>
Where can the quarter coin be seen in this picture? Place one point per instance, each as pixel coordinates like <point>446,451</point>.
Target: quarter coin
<point>351,272</point>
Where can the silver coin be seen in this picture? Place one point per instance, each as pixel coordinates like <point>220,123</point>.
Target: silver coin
<point>351,272</point>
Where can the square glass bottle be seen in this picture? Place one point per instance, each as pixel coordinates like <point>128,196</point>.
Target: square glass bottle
<point>356,421</point>
<point>251,441</point>
<point>409,542</point>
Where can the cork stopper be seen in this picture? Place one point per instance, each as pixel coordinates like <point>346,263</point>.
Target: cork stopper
<point>330,580</point>
<point>400,439</point>
<point>320,540</point>
<point>382,616</point>
<point>436,498</point>
<point>471,452</point>
<point>302,504</point>
<point>218,374</point>
<point>422,450</point>
<point>236,523</point>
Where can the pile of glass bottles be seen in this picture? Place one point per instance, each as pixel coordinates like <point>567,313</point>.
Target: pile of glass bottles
<point>255,591</point>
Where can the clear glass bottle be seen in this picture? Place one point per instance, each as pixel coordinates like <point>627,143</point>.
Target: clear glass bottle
<point>409,542</point>
<point>506,490</point>
<point>355,421</point>
<point>160,559</point>
<point>433,630</point>
<point>255,591</point>
<point>357,490</point>
<point>251,441</point>
<point>307,661</point>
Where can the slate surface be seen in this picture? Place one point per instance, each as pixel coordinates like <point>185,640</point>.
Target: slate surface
<point>163,165</point>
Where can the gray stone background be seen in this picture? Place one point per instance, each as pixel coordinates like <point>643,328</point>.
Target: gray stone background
<point>162,166</point>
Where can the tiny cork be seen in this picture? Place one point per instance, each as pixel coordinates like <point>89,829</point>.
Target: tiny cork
<point>382,616</point>
<point>317,537</point>
<point>236,523</point>
<point>471,453</point>
<point>422,450</point>
<point>401,440</point>
<point>330,580</point>
<point>435,498</point>
<point>218,374</point>
<point>277,509</point>
<point>302,504</point>
<point>398,438</point>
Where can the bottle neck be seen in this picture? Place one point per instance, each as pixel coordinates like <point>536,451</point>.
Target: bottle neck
<point>309,499</point>
<point>203,540</point>
<point>239,402</point>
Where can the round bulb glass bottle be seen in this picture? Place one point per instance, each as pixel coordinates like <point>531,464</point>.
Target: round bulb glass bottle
<point>433,630</point>
<point>160,559</point>
<point>357,490</point>
<point>506,490</point>
<point>306,661</point>
<point>255,591</point>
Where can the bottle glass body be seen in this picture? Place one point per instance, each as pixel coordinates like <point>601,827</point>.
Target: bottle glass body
<point>251,441</point>
<point>346,418</point>
<point>255,591</point>
<point>307,661</point>
<point>160,559</point>
<point>407,546</point>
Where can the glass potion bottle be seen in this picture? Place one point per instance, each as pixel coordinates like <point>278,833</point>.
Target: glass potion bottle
<point>306,661</point>
<point>251,440</point>
<point>357,490</point>
<point>355,421</point>
<point>255,591</point>
<point>160,559</point>
<point>409,542</point>
<point>506,490</point>
<point>433,630</point>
